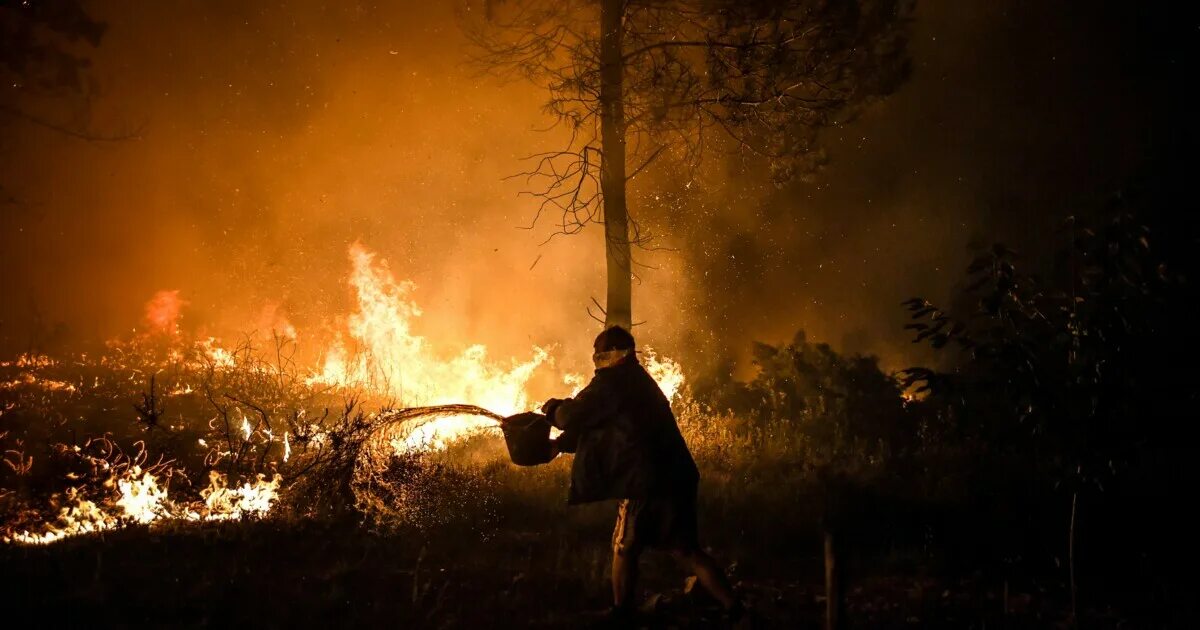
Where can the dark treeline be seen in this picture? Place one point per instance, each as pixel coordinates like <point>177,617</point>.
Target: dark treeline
<point>1055,445</point>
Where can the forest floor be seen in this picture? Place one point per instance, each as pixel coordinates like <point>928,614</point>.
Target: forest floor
<point>307,574</point>
<point>483,543</point>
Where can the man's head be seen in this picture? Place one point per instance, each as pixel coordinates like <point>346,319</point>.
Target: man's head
<point>612,346</point>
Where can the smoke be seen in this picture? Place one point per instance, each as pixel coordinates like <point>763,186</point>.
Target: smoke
<point>274,137</point>
<point>1017,115</point>
<point>163,311</point>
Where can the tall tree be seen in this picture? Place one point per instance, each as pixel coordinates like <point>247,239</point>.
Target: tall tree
<point>43,68</point>
<point>637,80</point>
<point>45,77</point>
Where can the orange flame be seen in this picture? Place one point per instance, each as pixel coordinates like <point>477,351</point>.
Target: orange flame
<point>140,499</point>
<point>395,361</point>
<point>666,372</point>
<point>391,360</point>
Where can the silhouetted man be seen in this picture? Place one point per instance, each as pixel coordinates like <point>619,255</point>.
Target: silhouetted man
<point>628,447</point>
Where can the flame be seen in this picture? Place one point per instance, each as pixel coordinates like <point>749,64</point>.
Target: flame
<point>395,361</point>
<point>391,360</point>
<point>163,310</point>
<point>27,360</point>
<point>225,503</point>
<point>84,517</point>
<point>221,358</point>
<point>666,372</point>
<point>29,380</point>
<point>399,363</point>
<point>140,499</point>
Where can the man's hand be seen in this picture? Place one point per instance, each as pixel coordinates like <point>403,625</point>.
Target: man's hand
<point>550,406</point>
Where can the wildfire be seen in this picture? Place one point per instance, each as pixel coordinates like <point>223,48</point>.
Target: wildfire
<point>399,363</point>
<point>390,361</point>
<point>27,379</point>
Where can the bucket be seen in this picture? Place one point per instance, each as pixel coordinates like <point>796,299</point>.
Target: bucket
<point>527,436</point>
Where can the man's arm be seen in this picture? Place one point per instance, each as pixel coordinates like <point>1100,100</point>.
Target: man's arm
<point>590,408</point>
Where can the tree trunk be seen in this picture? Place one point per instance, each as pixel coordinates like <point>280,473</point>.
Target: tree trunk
<point>1071,558</point>
<point>833,578</point>
<point>832,522</point>
<point>618,307</point>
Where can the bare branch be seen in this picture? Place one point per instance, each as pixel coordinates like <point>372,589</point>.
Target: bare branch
<point>646,162</point>
<point>764,77</point>
<point>79,133</point>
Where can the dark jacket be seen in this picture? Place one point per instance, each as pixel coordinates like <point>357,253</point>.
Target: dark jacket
<point>625,439</point>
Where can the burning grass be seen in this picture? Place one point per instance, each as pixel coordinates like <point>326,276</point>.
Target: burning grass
<point>234,427</point>
<point>219,434</point>
<point>161,430</point>
<point>254,434</point>
<point>239,430</point>
<point>199,442</point>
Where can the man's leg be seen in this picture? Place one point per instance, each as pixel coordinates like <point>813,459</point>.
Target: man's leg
<point>708,573</point>
<point>685,548</point>
<point>624,577</point>
<point>626,551</point>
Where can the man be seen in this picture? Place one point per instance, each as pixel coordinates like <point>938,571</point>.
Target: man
<point>628,447</point>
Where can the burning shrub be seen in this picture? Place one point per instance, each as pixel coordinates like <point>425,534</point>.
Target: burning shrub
<point>357,464</point>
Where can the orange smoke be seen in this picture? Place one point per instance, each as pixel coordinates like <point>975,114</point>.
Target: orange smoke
<point>273,320</point>
<point>163,311</point>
